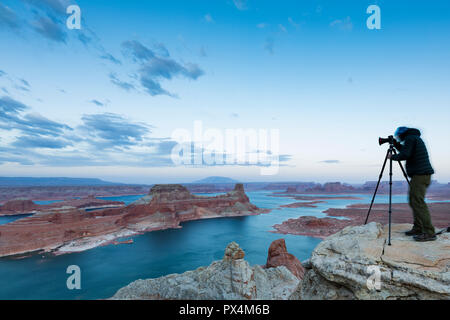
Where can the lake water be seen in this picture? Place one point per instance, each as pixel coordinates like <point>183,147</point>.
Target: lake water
<point>104,270</point>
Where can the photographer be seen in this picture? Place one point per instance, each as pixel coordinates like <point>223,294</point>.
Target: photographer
<point>418,167</point>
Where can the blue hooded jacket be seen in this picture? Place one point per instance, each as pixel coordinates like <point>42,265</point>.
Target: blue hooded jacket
<point>414,152</point>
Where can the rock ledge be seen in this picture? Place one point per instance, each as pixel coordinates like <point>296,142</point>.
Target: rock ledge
<point>342,266</point>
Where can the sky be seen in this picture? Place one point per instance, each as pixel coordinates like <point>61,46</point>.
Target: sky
<point>104,101</point>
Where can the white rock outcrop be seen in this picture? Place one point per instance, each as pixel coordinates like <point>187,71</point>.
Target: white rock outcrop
<point>357,263</point>
<point>229,278</point>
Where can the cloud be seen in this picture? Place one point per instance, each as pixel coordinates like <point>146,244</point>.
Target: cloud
<point>50,29</point>
<point>161,50</point>
<point>152,87</point>
<point>2,73</point>
<point>97,103</point>
<point>111,58</point>
<point>156,67</point>
<point>40,142</point>
<point>11,118</point>
<point>100,140</point>
<point>344,24</point>
<point>282,28</point>
<point>50,6</point>
<point>38,124</point>
<point>138,50</point>
<point>25,82</point>
<point>168,68</point>
<point>330,161</point>
<point>109,130</point>
<point>208,18</point>
<point>8,17</point>
<point>104,139</point>
<point>48,19</point>
<point>121,84</point>
<point>240,4</point>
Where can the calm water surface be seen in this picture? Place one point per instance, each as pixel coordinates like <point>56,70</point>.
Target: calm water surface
<point>106,269</point>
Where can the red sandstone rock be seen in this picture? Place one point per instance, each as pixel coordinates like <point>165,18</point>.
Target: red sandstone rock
<point>27,206</point>
<point>165,207</point>
<point>310,204</point>
<point>278,256</point>
<point>18,207</point>
<point>356,214</point>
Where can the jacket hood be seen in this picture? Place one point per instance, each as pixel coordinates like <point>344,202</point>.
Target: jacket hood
<point>412,132</point>
<point>406,132</point>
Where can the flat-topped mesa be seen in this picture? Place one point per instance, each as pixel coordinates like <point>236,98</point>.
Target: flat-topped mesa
<point>169,192</point>
<point>174,203</point>
<point>72,229</point>
<point>18,206</point>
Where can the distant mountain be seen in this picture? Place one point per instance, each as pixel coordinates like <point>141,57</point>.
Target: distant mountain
<point>216,180</point>
<point>57,181</point>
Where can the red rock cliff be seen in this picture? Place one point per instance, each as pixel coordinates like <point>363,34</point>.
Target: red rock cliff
<point>165,207</point>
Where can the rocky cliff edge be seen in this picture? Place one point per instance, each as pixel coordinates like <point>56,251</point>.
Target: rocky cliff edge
<point>357,263</point>
<point>230,278</point>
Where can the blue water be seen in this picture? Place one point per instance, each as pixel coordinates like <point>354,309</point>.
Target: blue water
<point>44,202</point>
<point>8,219</point>
<point>106,269</point>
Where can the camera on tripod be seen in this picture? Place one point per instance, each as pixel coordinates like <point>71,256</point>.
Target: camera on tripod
<point>389,140</point>
<point>390,151</point>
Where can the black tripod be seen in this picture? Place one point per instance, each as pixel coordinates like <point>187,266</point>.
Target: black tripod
<point>390,151</point>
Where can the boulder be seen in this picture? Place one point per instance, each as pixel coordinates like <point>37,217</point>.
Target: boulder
<point>358,263</point>
<point>229,278</point>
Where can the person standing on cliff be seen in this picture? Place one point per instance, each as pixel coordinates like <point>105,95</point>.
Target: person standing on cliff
<point>412,149</point>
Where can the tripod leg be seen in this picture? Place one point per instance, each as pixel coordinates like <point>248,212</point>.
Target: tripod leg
<point>390,199</point>
<point>403,169</point>
<point>378,184</point>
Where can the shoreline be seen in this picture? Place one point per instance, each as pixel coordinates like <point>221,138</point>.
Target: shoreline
<point>87,243</point>
<point>73,229</point>
<point>355,214</point>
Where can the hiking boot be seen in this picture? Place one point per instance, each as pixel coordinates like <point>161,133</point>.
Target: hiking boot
<point>413,232</point>
<point>425,237</point>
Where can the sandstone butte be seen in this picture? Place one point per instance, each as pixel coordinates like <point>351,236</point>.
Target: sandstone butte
<point>355,263</point>
<point>73,229</point>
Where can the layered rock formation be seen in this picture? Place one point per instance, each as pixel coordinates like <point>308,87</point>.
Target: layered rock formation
<point>18,206</point>
<point>356,215</point>
<point>66,192</point>
<point>23,206</point>
<point>229,278</point>
<point>279,256</point>
<point>72,229</point>
<point>357,263</point>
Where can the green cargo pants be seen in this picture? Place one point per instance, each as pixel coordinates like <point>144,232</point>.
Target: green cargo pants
<point>417,191</point>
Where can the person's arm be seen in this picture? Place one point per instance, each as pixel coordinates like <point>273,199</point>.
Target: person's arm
<point>406,150</point>
<point>398,145</point>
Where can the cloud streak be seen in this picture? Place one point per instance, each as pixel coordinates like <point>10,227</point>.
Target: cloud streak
<point>157,66</point>
<point>8,18</point>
